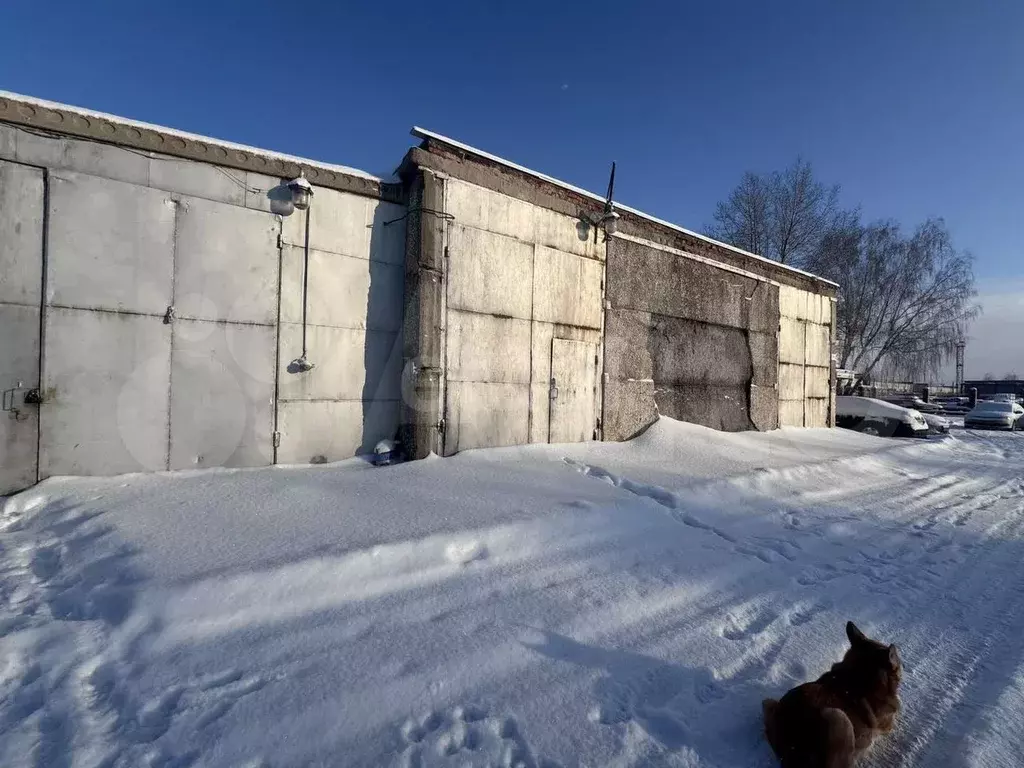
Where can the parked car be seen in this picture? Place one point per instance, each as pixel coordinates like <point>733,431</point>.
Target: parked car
<point>878,417</point>
<point>995,415</point>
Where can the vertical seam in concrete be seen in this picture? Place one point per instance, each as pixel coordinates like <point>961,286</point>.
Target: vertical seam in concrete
<point>277,343</point>
<point>170,346</point>
<point>45,279</point>
<point>533,288</point>
<point>442,379</point>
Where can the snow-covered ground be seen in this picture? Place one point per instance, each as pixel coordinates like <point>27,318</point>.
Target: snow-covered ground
<point>599,605</point>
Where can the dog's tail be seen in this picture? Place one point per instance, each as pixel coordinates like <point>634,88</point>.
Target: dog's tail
<point>770,707</point>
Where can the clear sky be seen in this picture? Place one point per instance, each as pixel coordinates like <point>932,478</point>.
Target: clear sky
<point>915,108</point>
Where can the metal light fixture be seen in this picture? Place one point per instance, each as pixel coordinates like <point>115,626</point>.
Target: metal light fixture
<point>609,217</point>
<point>302,191</point>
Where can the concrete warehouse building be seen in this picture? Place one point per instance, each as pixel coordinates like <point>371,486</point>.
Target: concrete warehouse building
<point>167,303</point>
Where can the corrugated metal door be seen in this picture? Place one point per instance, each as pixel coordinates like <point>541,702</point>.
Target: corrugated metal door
<point>573,391</point>
<point>22,194</point>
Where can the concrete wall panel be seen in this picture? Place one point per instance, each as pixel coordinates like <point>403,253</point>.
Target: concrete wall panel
<point>312,432</point>
<point>791,341</point>
<point>487,348</point>
<point>344,291</point>
<point>791,381</point>
<point>8,142</point>
<point>340,223</point>
<point>489,273</point>
<point>209,182</point>
<point>225,263</point>
<point>19,364</point>
<point>386,223</point>
<point>483,209</point>
<point>648,279</point>
<point>816,412</point>
<point>350,364</point>
<point>816,382</point>
<point>567,288</point>
<point>568,234</point>
<point>111,245</point>
<point>220,415</point>
<point>105,395</point>
<point>21,234</point>
<point>819,345</point>
<point>486,415</point>
<point>791,413</point>
<point>629,407</point>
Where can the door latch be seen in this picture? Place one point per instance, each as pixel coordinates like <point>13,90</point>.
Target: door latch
<point>553,392</point>
<point>16,398</point>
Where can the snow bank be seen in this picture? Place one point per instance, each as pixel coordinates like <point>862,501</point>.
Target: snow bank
<point>546,606</point>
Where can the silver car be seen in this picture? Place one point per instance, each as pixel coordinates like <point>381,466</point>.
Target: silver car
<point>994,415</point>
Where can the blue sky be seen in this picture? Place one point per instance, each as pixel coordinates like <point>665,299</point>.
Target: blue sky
<point>915,108</point>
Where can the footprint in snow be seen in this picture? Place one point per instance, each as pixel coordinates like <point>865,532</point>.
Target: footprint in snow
<point>466,736</point>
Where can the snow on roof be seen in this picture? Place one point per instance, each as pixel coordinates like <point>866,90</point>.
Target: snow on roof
<point>89,113</point>
<point>423,133</point>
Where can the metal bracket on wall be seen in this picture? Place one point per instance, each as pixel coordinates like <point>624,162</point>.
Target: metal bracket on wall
<point>276,439</point>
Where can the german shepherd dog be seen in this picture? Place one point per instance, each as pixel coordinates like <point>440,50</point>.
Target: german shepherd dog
<point>831,722</point>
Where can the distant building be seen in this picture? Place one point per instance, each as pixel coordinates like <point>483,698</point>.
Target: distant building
<point>996,387</point>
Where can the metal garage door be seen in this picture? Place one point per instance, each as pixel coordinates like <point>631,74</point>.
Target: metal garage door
<point>22,191</point>
<point>573,391</point>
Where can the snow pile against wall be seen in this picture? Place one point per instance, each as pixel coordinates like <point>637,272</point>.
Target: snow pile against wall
<point>596,604</point>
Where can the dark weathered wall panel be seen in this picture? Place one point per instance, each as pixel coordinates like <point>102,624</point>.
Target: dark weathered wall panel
<point>688,340</point>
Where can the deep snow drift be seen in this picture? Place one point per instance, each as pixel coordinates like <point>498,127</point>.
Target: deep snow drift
<point>602,604</point>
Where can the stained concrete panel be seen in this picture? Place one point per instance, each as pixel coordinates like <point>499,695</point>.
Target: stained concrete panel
<point>490,273</point>
<point>567,288</point>
<point>111,245</point>
<point>225,263</point>
<point>339,222</point>
<point>487,348</point>
<point>791,413</point>
<point>648,279</point>
<point>486,415</point>
<point>332,431</point>
<point>186,177</point>
<point>816,382</point>
<point>483,209</point>
<point>220,415</point>
<point>791,381</point>
<point>568,234</point>
<point>21,234</point>
<point>819,345</point>
<point>629,407</point>
<point>350,364</point>
<point>791,341</point>
<point>19,365</point>
<point>344,291</point>
<point>105,395</point>
<point>816,412</point>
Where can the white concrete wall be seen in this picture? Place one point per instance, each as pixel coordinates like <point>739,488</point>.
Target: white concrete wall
<point>131,235</point>
<point>805,350</point>
<point>518,276</point>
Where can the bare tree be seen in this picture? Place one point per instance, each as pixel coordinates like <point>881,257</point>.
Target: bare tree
<point>903,302</point>
<point>988,377</point>
<point>782,216</point>
<point>1011,376</point>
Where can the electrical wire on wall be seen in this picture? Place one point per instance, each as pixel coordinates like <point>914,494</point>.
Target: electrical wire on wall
<point>302,192</point>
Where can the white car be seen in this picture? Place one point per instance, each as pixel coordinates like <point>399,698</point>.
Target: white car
<point>936,423</point>
<point>994,415</point>
<point>877,417</point>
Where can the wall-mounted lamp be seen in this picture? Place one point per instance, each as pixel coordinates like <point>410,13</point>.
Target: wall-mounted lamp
<point>302,191</point>
<point>608,220</point>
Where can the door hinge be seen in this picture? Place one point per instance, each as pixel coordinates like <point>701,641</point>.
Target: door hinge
<point>276,438</point>
<point>280,240</point>
<point>441,425</point>
<point>170,315</point>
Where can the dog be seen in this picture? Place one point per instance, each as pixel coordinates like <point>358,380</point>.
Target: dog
<point>831,722</point>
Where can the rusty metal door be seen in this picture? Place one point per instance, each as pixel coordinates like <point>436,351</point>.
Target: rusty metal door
<point>22,193</point>
<point>573,391</point>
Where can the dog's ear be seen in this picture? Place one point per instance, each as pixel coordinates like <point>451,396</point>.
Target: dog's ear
<point>855,635</point>
<point>894,657</point>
